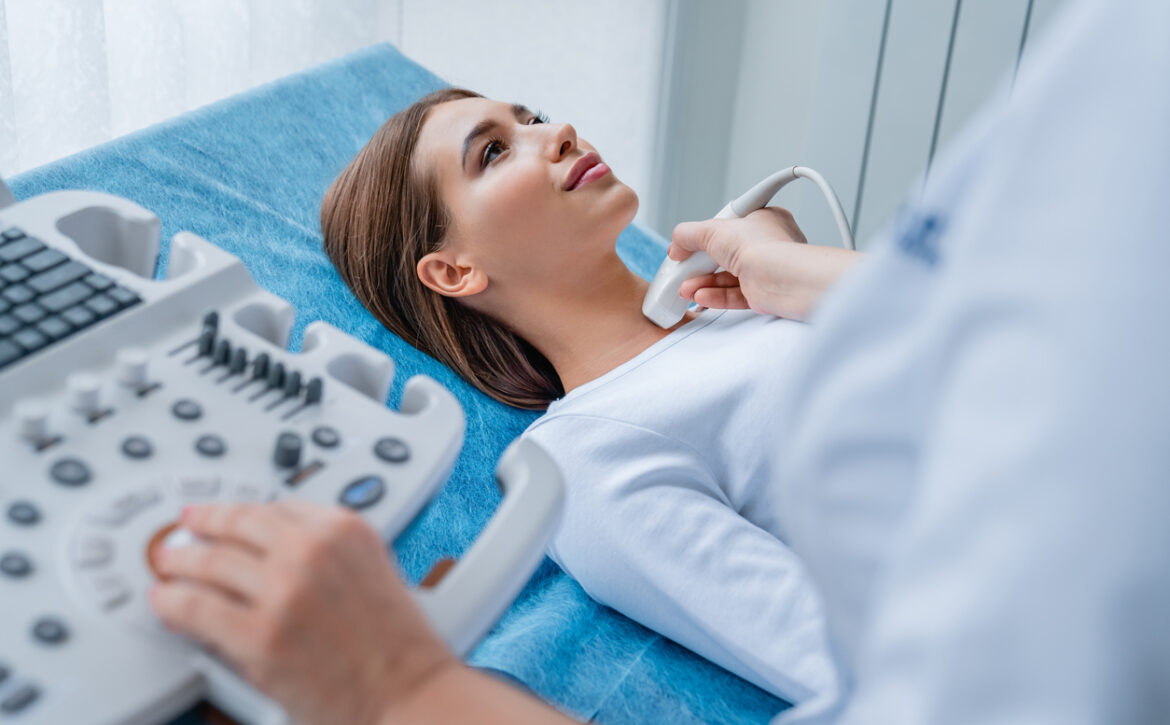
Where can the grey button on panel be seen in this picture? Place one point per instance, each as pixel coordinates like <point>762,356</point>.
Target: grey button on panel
<point>314,391</point>
<point>70,472</point>
<point>247,492</point>
<point>126,507</point>
<point>326,436</point>
<point>111,591</point>
<point>50,630</point>
<point>91,550</point>
<point>211,446</point>
<point>198,487</point>
<point>24,513</point>
<point>288,450</point>
<point>15,564</point>
<point>137,447</point>
<point>392,450</point>
<point>187,409</point>
<point>364,492</point>
<point>19,699</point>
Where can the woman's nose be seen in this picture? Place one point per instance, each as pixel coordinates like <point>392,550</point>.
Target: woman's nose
<point>564,140</point>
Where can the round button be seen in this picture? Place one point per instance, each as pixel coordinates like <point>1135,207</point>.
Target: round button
<point>137,447</point>
<point>393,450</point>
<point>70,472</point>
<point>50,630</point>
<point>24,513</point>
<point>365,491</point>
<point>326,436</point>
<point>187,409</point>
<point>15,565</point>
<point>211,446</point>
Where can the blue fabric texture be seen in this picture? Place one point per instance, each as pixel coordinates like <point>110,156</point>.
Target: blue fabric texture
<point>248,174</point>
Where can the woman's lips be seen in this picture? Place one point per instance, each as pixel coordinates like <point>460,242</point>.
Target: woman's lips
<point>594,173</point>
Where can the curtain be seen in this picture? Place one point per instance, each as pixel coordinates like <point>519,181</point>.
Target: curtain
<point>74,73</point>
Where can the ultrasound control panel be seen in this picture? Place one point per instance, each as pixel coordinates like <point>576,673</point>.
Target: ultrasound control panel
<point>123,397</point>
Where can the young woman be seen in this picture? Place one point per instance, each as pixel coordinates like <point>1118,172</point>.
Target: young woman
<point>485,236</point>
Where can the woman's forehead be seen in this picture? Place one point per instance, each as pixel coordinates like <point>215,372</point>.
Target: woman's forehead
<point>447,124</point>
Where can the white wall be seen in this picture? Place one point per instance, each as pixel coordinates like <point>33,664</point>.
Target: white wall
<point>596,65</point>
<point>865,91</point>
<point>74,74</point>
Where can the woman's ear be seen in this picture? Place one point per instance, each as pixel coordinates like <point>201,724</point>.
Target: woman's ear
<point>449,279</point>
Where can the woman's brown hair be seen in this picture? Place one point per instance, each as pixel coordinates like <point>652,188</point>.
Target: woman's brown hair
<point>379,218</point>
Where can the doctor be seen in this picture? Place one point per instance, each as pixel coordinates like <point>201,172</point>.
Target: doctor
<point>980,480</point>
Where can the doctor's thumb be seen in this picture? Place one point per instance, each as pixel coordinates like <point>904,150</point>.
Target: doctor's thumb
<point>690,237</point>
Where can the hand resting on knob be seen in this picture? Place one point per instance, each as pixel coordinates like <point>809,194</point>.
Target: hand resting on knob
<point>304,602</point>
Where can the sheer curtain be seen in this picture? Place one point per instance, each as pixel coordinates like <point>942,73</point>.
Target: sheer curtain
<point>74,73</point>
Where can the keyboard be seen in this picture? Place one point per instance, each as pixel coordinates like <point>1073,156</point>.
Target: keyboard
<point>46,296</point>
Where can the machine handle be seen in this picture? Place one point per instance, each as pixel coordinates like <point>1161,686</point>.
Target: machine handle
<point>471,596</point>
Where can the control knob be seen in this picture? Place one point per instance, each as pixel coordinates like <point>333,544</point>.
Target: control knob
<point>84,393</point>
<point>132,363</point>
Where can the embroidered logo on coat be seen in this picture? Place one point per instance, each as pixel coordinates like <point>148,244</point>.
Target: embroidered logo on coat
<point>918,235</point>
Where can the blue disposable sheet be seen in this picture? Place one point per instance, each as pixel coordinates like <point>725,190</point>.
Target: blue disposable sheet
<point>248,174</point>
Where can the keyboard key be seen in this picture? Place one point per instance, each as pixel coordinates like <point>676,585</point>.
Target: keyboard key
<point>78,316</point>
<point>58,276</point>
<point>99,282</point>
<point>29,313</point>
<point>123,296</point>
<point>14,272</point>
<point>101,305</point>
<point>30,339</point>
<point>44,259</point>
<point>18,294</point>
<point>22,247</point>
<point>66,297</point>
<point>9,352</point>
<point>54,328</point>
<point>9,325</point>
<point>13,233</point>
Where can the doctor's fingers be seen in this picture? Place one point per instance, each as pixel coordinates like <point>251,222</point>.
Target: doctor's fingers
<point>719,279</point>
<point>260,527</point>
<point>205,615</point>
<point>721,298</point>
<point>233,570</point>
<point>705,236</point>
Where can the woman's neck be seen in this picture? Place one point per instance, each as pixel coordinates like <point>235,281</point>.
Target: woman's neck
<point>592,328</point>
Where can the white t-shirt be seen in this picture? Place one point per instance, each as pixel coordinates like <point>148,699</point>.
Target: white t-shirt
<point>665,458</point>
<point>977,466</point>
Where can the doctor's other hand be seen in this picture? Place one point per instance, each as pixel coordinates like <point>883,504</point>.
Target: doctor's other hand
<point>305,603</point>
<point>768,266</point>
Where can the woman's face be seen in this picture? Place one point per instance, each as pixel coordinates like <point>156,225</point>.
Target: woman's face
<point>505,177</point>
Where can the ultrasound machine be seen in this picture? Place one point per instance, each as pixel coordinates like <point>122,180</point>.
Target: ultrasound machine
<point>124,397</point>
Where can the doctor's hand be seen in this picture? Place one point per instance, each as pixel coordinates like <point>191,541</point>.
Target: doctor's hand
<point>304,602</point>
<point>768,266</point>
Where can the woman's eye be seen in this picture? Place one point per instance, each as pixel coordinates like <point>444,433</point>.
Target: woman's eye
<point>491,151</point>
<point>540,117</point>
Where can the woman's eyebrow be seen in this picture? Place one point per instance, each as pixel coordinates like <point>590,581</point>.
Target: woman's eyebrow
<point>518,110</point>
